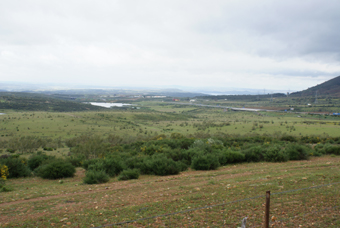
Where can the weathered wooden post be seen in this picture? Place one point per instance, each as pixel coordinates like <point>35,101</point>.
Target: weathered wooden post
<point>266,216</point>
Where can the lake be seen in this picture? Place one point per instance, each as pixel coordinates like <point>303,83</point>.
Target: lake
<point>108,105</point>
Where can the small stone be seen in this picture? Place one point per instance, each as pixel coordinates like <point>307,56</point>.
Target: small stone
<point>90,189</point>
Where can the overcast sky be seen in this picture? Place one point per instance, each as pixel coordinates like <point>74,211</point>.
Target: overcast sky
<point>272,45</point>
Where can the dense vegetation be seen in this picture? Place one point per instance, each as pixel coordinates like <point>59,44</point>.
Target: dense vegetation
<point>40,102</point>
<point>162,155</point>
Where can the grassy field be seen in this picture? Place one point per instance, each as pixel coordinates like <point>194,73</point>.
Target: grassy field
<point>159,118</point>
<point>47,203</point>
<point>36,202</point>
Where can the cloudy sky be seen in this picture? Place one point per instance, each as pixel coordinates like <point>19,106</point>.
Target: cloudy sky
<point>272,45</point>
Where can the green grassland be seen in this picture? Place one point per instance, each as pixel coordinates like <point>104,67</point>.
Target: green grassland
<point>161,118</point>
<point>37,202</point>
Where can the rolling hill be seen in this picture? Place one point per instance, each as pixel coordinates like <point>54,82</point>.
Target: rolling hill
<point>328,88</point>
<point>40,102</point>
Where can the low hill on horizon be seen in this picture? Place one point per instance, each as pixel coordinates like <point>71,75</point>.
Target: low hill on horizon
<point>328,88</point>
<point>40,102</point>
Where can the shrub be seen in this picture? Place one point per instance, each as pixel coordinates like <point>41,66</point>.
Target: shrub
<point>89,162</point>
<point>205,162</point>
<point>129,174</point>
<point>331,149</point>
<point>111,166</point>
<point>48,148</point>
<point>96,177</point>
<point>11,150</point>
<point>134,162</point>
<point>288,138</point>
<point>36,160</point>
<point>160,165</point>
<point>229,156</point>
<point>3,172</point>
<point>319,148</point>
<point>254,154</point>
<point>76,161</point>
<point>16,167</point>
<point>56,169</point>
<point>275,154</point>
<point>297,152</point>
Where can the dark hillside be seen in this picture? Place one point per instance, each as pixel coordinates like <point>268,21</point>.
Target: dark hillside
<point>328,88</point>
<point>40,102</point>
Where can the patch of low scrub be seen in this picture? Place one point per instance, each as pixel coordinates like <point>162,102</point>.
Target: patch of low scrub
<point>96,177</point>
<point>17,167</point>
<point>229,157</point>
<point>205,162</point>
<point>297,152</point>
<point>160,165</point>
<point>56,170</point>
<point>129,174</point>
<point>38,159</point>
<point>275,154</point>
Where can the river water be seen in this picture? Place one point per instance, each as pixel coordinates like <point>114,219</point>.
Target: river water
<point>108,105</point>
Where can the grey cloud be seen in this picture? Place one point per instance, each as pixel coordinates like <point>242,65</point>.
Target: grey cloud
<point>156,42</point>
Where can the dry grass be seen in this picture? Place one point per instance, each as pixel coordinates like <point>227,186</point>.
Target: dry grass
<point>46,203</point>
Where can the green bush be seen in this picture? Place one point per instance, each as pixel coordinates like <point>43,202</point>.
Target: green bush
<point>11,150</point>
<point>16,167</point>
<point>275,154</point>
<point>76,161</point>
<point>229,156</point>
<point>134,162</point>
<point>160,165</point>
<point>96,177</point>
<point>48,148</point>
<point>297,152</point>
<point>55,170</point>
<point>254,154</point>
<point>129,174</point>
<point>331,149</point>
<point>89,162</point>
<point>288,138</point>
<point>111,166</point>
<point>36,160</point>
<point>319,148</point>
<point>205,162</point>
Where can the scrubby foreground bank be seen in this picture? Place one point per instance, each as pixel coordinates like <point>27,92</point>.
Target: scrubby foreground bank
<point>50,203</point>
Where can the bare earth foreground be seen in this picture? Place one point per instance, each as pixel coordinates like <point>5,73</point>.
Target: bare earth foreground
<point>35,202</point>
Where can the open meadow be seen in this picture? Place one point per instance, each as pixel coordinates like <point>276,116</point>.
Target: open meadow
<point>176,158</point>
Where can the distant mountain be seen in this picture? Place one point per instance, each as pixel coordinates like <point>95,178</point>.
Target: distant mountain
<point>330,88</point>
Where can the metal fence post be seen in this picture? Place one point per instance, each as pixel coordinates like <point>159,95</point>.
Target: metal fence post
<point>266,216</point>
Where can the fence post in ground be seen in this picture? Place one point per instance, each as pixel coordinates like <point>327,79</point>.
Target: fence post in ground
<point>266,215</point>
